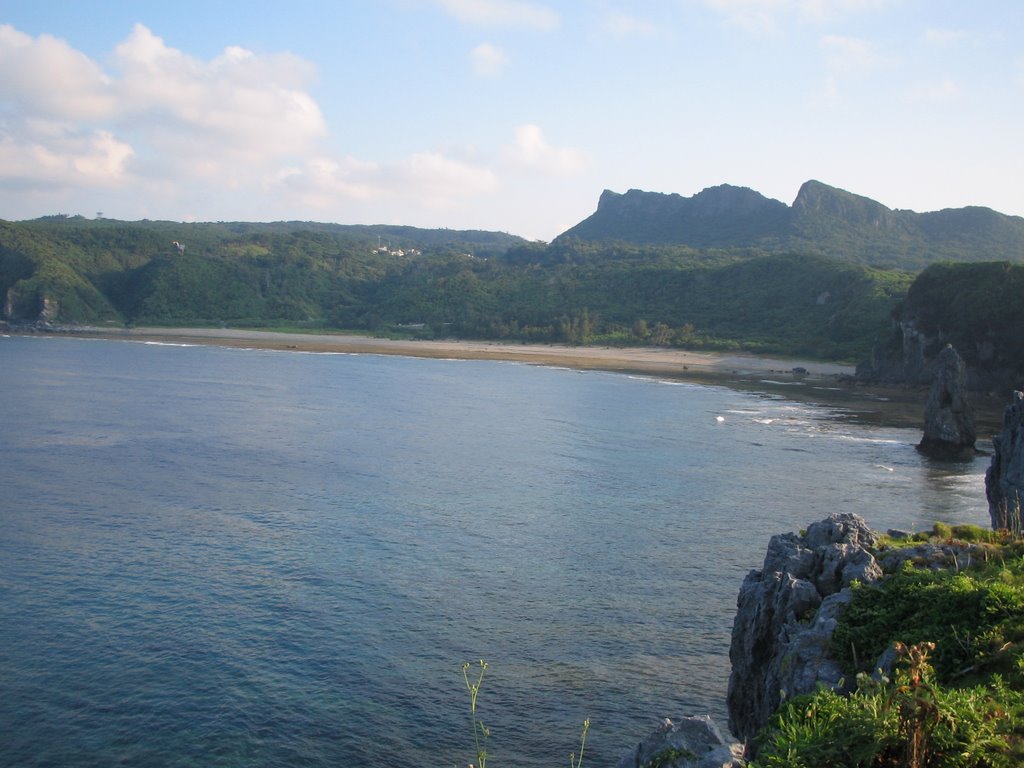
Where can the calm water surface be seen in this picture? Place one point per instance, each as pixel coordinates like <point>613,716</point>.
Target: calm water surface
<point>219,557</point>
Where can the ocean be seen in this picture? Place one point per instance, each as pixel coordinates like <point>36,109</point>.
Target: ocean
<point>227,557</point>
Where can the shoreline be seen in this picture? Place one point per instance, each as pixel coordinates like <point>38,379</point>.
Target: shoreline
<point>824,383</point>
<point>660,360</point>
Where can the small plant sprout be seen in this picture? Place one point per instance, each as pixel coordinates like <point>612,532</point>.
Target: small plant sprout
<point>578,763</point>
<point>480,731</point>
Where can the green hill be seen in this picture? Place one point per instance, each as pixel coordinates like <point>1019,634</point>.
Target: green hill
<point>822,220</point>
<point>440,282</point>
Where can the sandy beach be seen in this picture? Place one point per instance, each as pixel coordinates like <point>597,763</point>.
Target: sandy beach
<point>653,360</point>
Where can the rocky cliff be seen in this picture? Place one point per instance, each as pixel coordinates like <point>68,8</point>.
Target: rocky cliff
<point>974,307</point>
<point>906,356</point>
<point>722,216</point>
<point>1004,479</point>
<point>822,219</point>
<point>786,613</point>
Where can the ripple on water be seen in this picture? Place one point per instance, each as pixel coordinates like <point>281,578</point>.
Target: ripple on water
<point>223,558</point>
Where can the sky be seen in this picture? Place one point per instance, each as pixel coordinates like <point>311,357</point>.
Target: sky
<point>507,115</point>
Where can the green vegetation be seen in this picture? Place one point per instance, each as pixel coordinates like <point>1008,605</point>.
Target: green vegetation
<point>823,220</point>
<point>481,733</point>
<point>910,722</point>
<point>957,697</point>
<point>429,283</point>
<point>974,307</point>
<point>668,756</point>
<point>485,285</point>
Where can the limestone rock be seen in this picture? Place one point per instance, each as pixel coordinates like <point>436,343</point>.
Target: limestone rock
<point>693,742</point>
<point>1004,479</point>
<point>786,614</point>
<point>949,429</point>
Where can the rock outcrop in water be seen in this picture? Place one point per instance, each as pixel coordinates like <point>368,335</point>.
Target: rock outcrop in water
<point>949,428</point>
<point>693,742</point>
<point>786,614</point>
<point>1004,479</point>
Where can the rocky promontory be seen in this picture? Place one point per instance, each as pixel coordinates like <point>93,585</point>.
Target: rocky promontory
<point>787,613</point>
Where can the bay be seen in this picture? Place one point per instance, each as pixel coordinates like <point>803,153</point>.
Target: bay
<point>229,557</point>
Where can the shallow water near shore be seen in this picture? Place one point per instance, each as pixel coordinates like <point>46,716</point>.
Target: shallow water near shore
<point>231,557</point>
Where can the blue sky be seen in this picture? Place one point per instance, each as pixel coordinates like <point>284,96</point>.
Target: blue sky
<point>501,114</point>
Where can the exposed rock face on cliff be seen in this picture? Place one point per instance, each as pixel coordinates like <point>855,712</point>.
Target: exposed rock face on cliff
<point>822,219</point>
<point>718,216</point>
<point>907,357</point>
<point>949,428</point>
<point>974,307</point>
<point>30,308</point>
<point>1004,479</point>
<point>786,614</point>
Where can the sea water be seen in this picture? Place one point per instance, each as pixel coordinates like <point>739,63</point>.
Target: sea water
<point>226,557</point>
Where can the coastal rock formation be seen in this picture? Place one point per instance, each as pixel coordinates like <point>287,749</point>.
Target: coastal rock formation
<point>970,306</point>
<point>30,307</point>
<point>1004,479</point>
<point>907,356</point>
<point>949,429</point>
<point>693,742</point>
<point>786,614</point>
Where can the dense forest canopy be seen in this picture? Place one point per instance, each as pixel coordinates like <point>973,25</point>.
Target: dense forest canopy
<point>440,282</point>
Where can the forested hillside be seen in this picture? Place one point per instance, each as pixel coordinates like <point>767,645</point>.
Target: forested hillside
<point>440,282</point>
<point>822,220</point>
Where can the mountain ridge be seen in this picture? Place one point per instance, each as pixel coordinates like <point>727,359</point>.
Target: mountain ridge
<point>822,219</point>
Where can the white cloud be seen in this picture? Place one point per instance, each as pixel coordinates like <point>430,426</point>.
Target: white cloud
<point>942,92</point>
<point>531,151</point>
<point>440,180</point>
<point>943,36</point>
<point>63,159</point>
<point>625,25</point>
<point>426,179</point>
<point>46,77</point>
<point>249,106</point>
<point>850,55</point>
<point>160,113</point>
<point>488,60</point>
<point>770,16</point>
<point>758,16</point>
<point>163,132</point>
<point>501,13</point>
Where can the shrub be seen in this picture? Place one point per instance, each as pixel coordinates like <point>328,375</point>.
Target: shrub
<point>970,615</point>
<point>911,721</point>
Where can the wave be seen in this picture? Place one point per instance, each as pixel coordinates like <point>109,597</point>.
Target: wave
<point>167,344</point>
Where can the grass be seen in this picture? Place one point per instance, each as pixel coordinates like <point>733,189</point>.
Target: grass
<point>481,733</point>
<point>956,698</point>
